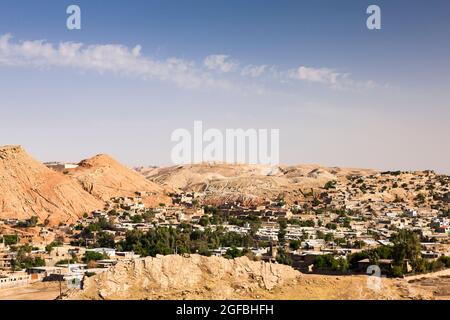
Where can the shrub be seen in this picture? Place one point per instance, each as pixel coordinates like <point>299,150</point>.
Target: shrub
<point>233,252</point>
<point>445,260</point>
<point>11,239</point>
<point>284,258</point>
<point>94,256</point>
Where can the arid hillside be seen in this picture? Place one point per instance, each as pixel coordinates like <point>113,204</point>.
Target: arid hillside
<point>255,184</point>
<point>105,178</point>
<point>28,188</point>
<point>251,183</point>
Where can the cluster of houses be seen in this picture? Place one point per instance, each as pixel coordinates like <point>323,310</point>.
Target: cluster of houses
<point>59,265</point>
<point>347,217</point>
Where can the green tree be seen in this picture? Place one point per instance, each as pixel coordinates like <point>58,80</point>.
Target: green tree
<point>52,245</point>
<point>445,261</point>
<point>11,239</point>
<point>329,237</point>
<point>283,257</point>
<point>94,256</point>
<point>137,218</point>
<point>315,202</point>
<point>204,221</point>
<point>233,252</point>
<point>282,232</point>
<point>25,260</point>
<point>294,244</point>
<point>331,226</point>
<point>330,185</point>
<point>406,246</point>
<point>105,240</point>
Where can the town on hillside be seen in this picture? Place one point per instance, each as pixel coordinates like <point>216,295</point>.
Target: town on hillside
<point>343,227</point>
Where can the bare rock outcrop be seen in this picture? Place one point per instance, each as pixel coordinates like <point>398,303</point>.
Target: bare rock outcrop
<point>190,277</point>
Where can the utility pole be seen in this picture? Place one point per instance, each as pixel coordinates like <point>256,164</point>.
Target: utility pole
<point>60,286</point>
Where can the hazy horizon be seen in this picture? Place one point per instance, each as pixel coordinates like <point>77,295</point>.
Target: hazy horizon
<point>137,164</point>
<point>341,95</point>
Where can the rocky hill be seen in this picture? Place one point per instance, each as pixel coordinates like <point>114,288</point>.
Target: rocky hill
<point>193,277</point>
<point>105,178</point>
<point>255,184</point>
<point>248,183</point>
<point>28,188</point>
<point>215,278</point>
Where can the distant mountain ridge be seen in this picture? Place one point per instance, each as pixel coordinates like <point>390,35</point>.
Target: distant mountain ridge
<point>248,183</point>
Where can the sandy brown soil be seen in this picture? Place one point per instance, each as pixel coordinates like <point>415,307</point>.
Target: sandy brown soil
<point>247,183</point>
<point>434,286</point>
<point>36,291</point>
<point>196,277</point>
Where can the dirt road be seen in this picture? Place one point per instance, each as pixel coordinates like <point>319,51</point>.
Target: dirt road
<point>35,291</point>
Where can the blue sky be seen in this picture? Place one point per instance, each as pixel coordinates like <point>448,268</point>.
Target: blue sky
<point>339,93</point>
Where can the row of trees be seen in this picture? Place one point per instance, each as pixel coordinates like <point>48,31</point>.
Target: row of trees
<point>9,239</point>
<point>28,223</point>
<point>181,240</point>
<point>24,260</point>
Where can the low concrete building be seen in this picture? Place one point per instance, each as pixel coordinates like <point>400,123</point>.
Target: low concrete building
<point>12,280</point>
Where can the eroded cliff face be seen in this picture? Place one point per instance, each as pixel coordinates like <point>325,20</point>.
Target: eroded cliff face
<point>28,188</point>
<point>190,277</point>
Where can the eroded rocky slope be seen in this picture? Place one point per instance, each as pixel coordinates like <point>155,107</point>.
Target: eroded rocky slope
<point>28,188</point>
<point>197,277</point>
<point>105,178</point>
<point>192,277</point>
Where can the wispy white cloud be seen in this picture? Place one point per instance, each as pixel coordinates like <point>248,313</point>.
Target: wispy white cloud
<point>220,62</point>
<point>323,75</point>
<point>329,77</point>
<point>105,58</point>
<point>119,59</point>
<point>253,71</point>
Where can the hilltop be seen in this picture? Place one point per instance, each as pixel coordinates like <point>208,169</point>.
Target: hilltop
<point>28,188</point>
<point>249,183</point>
<point>105,178</point>
<point>257,184</point>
